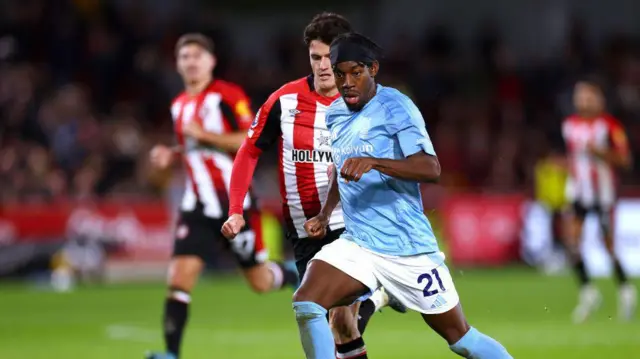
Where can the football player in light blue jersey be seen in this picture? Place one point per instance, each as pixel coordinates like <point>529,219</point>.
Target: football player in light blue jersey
<point>382,153</point>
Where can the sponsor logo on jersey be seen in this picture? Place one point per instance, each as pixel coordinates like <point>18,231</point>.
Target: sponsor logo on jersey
<point>311,156</point>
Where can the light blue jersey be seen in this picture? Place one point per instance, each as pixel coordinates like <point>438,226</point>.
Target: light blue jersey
<point>382,213</point>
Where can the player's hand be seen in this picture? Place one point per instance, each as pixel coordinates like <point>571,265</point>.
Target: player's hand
<point>161,156</point>
<point>594,150</point>
<point>355,167</point>
<point>194,130</point>
<point>233,226</point>
<point>316,227</point>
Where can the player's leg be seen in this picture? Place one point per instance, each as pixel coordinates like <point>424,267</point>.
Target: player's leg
<point>343,321</point>
<point>188,261</point>
<point>423,283</point>
<point>378,300</point>
<point>250,252</point>
<point>463,339</point>
<point>627,295</point>
<point>335,277</point>
<point>589,297</point>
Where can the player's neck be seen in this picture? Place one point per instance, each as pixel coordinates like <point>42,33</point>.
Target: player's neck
<point>325,92</point>
<point>194,88</point>
<point>590,116</point>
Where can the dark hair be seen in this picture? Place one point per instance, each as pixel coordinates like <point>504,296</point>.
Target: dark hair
<point>325,27</point>
<point>357,38</point>
<point>594,81</point>
<point>194,39</point>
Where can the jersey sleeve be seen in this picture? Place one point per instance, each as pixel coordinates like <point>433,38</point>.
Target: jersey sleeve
<point>265,129</point>
<point>618,137</point>
<point>407,124</point>
<point>238,107</point>
<point>244,166</point>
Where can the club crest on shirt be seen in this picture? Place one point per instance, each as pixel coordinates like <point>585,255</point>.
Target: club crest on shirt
<point>323,140</point>
<point>294,111</point>
<point>255,119</point>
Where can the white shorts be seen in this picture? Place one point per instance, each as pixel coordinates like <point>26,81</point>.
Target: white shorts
<point>421,282</point>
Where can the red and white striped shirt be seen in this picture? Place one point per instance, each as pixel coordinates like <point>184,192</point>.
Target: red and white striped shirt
<point>294,118</point>
<point>592,181</point>
<point>221,108</point>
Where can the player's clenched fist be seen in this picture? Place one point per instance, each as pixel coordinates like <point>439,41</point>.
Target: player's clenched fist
<point>316,227</point>
<point>233,226</point>
<point>355,167</point>
<point>161,156</point>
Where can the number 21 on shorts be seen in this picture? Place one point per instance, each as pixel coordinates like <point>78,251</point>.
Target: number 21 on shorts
<point>427,291</point>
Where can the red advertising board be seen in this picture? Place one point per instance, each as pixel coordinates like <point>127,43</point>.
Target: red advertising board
<point>482,229</point>
<point>141,230</point>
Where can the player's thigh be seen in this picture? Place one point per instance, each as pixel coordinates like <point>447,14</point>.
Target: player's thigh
<point>424,284</point>
<point>338,275</point>
<point>192,248</point>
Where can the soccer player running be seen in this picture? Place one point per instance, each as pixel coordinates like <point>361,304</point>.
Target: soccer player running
<point>597,147</point>
<point>210,118</point>
<point>382,152</point>
<point>293,118</point>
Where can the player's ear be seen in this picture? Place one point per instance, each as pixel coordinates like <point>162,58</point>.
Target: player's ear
<point>214,62</point>
<point>373,69</point>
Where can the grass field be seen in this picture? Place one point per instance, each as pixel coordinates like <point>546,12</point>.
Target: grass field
<point>525,311</point>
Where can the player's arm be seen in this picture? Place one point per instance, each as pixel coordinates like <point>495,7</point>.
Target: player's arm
<point>419,163</point>
<point>618,154</point>
<point>235,106</point>
<point>333,194</point>
<point>229,142</point>
<point>419,167</point>
<point>316,227</point>
<point>262,134</point>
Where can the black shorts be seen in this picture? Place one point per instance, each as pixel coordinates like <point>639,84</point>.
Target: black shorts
<point>603,213</point>
<point>195,235</point>
<point>304,249</point>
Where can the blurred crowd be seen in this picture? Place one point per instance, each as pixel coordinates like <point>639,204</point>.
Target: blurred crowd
<point>85,91</point>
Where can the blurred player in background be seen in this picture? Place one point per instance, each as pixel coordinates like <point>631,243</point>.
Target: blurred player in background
<point>383,152</point>
<point>550,183</point>
<point>210,121</point>
<point>597,147</point>
<point>293,118</point>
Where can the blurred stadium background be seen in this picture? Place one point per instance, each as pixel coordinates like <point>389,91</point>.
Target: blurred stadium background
<point>86,227</point>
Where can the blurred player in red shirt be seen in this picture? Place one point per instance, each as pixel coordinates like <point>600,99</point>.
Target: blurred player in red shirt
<point>211,118</point>
<point>597,148</point>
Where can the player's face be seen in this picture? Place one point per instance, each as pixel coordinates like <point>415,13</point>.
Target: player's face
<point>195,63</point>
<point>355,83</point>
<point>588,99</point>
<point>321,65</point>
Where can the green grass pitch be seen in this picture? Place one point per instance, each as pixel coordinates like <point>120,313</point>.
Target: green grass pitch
<point>527,312</point>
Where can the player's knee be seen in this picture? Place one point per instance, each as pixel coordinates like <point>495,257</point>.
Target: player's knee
<point>308,311</point>
<point>303,295</point>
